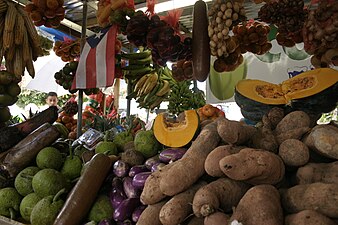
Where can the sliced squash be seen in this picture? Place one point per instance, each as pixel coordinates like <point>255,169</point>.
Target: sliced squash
<point>176,133</point>
<point>314,91</point>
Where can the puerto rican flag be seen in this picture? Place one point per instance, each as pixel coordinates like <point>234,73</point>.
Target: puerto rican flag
<point>96,67</point>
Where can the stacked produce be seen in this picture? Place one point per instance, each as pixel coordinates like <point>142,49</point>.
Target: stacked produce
<point>182,97</point>
<point>66,117</point>
<point>68,50</point>
<point>288,16</point>
<point>321,34</point>
<point>20,43</point>
<point>9,91</point>
<point>225,14</point>
<point>48,13</point>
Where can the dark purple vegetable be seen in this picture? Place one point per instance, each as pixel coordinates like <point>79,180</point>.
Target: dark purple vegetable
<point>137,169</point>
<point>126,208</point>
<point>151,161</point>
<point>121,168</point>
<point>171,154</point>
<point>125,222</point>
<point>157,166</point>
<point>137,212</point>
<point>140,178</point>
<point>106,222</point>
<point>129,189</point>
<point>117,194</point>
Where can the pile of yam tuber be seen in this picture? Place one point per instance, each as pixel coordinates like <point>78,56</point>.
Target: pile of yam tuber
<point>283,171</point>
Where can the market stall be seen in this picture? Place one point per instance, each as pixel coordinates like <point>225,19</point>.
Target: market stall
<point>84,163</point>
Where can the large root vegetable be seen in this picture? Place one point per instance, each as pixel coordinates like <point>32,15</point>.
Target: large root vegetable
<point>294,153</point>
<point>308,217</point>
<point>151,192</point>
<point>234,132</point>
<point>253,166</point>
<point>223,194</point>
<point>320,197</point>
<point>260,205</point>
<point>318,172</point>
<point>211,164</point>
<point>324,140</point>
<point>294,125</point>
<point>178,208</point>
<point>190,167</point>
<point>196,221</point>
<point>216,218</point>
<point>150,215</point>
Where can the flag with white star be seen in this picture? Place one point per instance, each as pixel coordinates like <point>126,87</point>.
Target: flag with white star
<point>96,67</point>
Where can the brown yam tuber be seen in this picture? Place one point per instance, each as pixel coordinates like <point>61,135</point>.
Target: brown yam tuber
<point>275,115</point>
<point>151,192</point>
<point>223,194</point>
<point>292,121</point>
<point>178,208</point>
<point>150,215</point>
<point>216,218</point>
<point>324,140</point>
<point>253,166</point>
<point>308,217</point>
<point>234,132</point>
<point>264,139</point>
<point>196,221</point>
<point>318,172</point>
<point>297,133</point>
<point>294,153</point>
<point>190,167</point>
<point>211,164</point>
<point>320,197</point>
<point>259,206</point>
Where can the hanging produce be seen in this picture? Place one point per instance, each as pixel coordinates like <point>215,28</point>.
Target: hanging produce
<point>48,13</point>
<point>321,34</point>
<point>68,50</point>
<point>105,8</point>
<point>200,42</point>
<point>20,43</point>
<point>288,16</point>
<point>225,14</point>
<point>182,70</point>
<point>183,98</point>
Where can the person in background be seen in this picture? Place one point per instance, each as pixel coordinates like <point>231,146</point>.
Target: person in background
<point>51,100</point>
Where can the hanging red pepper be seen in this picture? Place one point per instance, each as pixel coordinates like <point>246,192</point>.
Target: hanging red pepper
<point>151,7</point>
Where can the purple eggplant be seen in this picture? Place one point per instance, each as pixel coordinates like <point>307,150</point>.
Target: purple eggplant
<point>129,189</point>
<point>151,161</point>
<point>140,178</point>
<point>157,166</point>
<point>125,222</point>
<point>137,169</point>
<point>126,209</point>
<point>120,168</point>
<point>106,222</point>
<point>117,194</point>
<point>137,212</point>
<point>171,154</point>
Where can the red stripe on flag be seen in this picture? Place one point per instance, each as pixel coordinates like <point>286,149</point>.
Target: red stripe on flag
<point>91,69</point>
<point>110,58</point>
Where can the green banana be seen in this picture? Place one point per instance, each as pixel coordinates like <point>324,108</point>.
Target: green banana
<point>142,61</point>
<point>133,67</point>
<point>137,55</point>
<point>138,72</point>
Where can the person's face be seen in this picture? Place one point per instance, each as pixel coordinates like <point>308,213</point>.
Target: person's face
<point>52,100</point>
